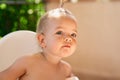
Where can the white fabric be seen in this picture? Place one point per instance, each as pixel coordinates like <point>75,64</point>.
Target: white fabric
<point>17,44</point>
<point>73,78</point>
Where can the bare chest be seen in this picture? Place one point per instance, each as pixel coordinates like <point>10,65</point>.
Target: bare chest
<point>44,72</point>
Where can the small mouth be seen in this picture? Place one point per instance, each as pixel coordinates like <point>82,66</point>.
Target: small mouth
<point>66,46</point>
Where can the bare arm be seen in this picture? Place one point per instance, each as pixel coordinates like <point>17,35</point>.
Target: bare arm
<point>14,71</point>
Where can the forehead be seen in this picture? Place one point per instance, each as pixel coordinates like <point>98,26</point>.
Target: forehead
<point>62,23</point>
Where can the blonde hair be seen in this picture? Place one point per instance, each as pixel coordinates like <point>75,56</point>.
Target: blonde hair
<point>54,13</point>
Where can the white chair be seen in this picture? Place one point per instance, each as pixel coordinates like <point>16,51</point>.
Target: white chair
<point>17,44</point>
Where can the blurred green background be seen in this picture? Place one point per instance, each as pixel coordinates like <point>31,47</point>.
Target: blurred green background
<point>20,15</point>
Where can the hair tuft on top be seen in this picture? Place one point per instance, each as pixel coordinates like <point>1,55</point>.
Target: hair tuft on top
<point>62,3</point>
<point>54,13</point>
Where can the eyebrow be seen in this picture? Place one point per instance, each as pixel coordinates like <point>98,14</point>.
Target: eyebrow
<point>59,27</point>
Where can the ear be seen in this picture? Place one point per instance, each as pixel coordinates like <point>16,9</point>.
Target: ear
<point>41,40</point>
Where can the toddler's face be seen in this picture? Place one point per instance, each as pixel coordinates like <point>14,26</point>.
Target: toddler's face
<point>60,37</point>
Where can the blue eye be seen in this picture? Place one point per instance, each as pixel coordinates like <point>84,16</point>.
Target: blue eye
<point>59,32</point>
<point>74,35</point>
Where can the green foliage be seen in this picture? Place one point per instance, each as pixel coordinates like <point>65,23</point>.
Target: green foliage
<point>20,16</point>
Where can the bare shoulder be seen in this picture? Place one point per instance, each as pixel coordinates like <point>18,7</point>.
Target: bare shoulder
<point>24,59</point>
<point>22,62</point>
<point>28,59</point>
<point>67,67</point>
<point>17,69</point>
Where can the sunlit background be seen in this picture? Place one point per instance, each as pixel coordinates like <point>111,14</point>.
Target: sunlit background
<point>19,15</point>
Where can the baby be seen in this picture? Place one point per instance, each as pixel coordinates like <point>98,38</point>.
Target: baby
<point>57,36</point>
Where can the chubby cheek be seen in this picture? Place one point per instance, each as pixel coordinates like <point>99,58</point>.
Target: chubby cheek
<point>56,43</point>
<point>53,43</point>
<point>74,48</point>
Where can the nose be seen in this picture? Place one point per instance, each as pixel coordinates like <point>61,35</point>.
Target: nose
<point>68,39</point>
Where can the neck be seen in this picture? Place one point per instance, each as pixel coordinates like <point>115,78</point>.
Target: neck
<point>52,59</point>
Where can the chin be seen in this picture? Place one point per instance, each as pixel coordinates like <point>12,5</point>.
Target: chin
<point>67,54</point>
